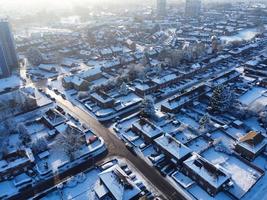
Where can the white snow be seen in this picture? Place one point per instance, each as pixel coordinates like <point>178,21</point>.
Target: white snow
<point>242,175</point>
<point>252,95</point>
<point>173,146</point>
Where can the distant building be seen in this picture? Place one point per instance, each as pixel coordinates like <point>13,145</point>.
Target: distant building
<point>192,8</point>
<point>8,55</point>
<point>4,69</point>
<point>161,7</point>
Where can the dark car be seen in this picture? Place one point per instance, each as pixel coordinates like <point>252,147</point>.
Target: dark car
<point>131,148</point>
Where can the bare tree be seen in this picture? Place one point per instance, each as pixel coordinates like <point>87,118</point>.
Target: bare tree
<point>39,145</point>
<point>24,134</point>
<point>70,142</point>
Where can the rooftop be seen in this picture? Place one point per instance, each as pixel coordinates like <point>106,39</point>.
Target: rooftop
<point>173,146</point>
<point>209,172</point>
<point>118,183</point>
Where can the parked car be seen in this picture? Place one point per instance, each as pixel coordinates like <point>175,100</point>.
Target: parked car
<point>131,148</point>
<point>107,165</point>
<point>156,159</point>
<point>56,91</point>
<point>150,196</point>
<point>61,110</point>
<point>123,165</point>
<point>142,146</point>
<point>141,186</point>
<point>127,171</point>
<point>92,139</point>
<point>132,176</point>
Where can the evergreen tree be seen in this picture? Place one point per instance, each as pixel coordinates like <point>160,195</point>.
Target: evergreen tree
<point>148,107</point>
<point>221,99</point>
<point>34,56</point>
<point>123,89</point>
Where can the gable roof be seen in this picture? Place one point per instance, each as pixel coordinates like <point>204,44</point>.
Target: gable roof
<point>119,184</point>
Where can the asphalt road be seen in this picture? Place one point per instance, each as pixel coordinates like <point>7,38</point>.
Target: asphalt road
<point>117,148</point>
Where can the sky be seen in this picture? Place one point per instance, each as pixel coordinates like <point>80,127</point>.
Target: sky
<point>32,5</point>
<point>58,2</point>
<point>15,7</point>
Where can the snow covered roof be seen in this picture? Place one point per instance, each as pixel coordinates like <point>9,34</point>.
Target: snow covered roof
<point>21,179</point>
<point>209,172</point>
<point>10,82</point>
<point>165,79</point>
<point>90,72</point>
<point>116,49</point>
<point>105,51</point>
<point>127,101</point>
<point>66,127</point>
<point>252,141</point>
<point>219,58</point>
<point>77,81</point>
<point>54,117</point>
<point>18,162</point>
<point>253,62</point>
<point>178,100</point>
<point>142,86</point>
<point>111,63</point>
<point>118,183</point>
<point>49,68</point>
<point>147,128</point>
<point>173,146</point>
<point>103,98</point>
<point>244,48</point>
